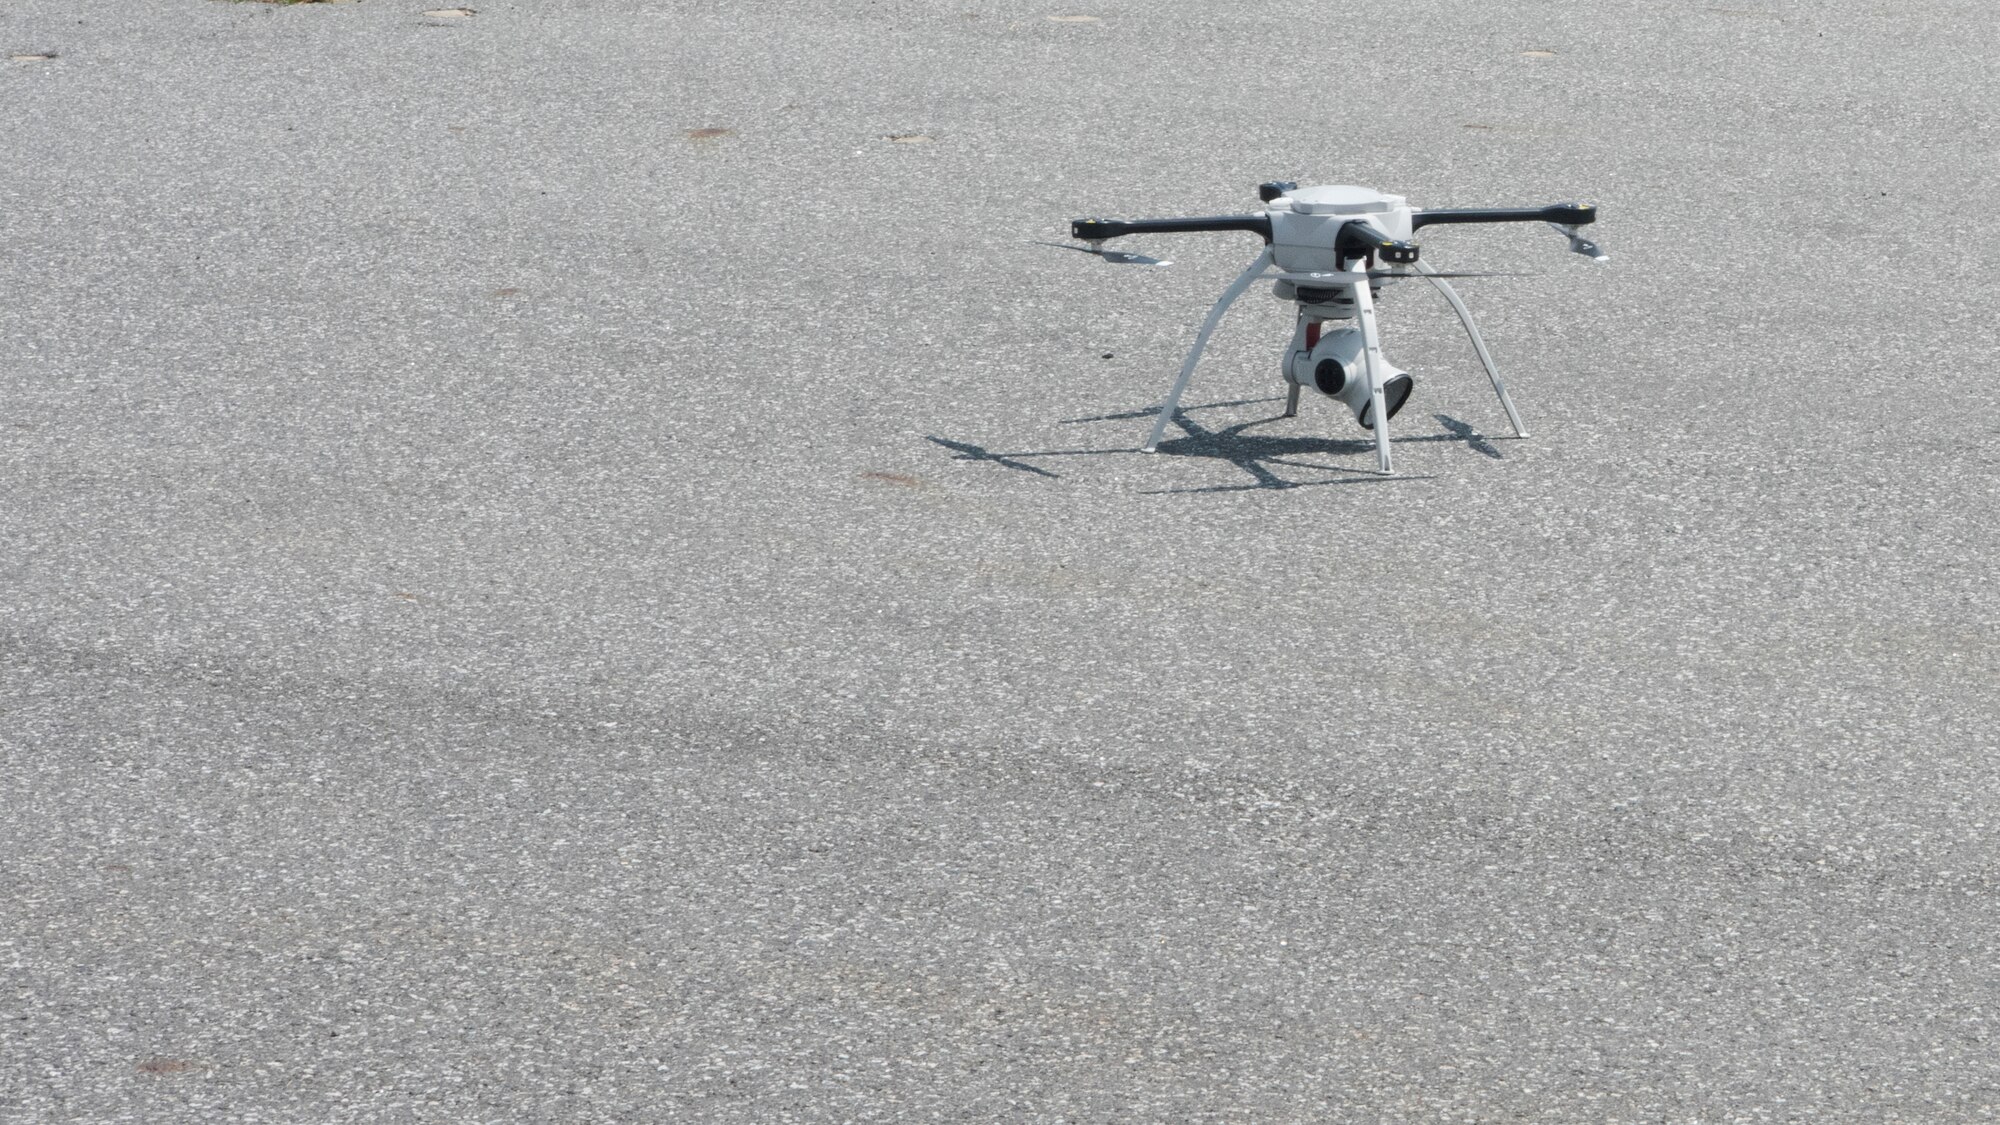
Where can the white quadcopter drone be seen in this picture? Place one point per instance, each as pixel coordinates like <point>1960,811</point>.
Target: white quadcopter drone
<point>1324,242</point>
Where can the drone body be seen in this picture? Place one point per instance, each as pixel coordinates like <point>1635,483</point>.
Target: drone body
<point>1324,244</point>
<point>1306,223</point>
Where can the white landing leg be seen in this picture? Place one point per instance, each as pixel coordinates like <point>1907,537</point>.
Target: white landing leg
<point>1372,362</point>
<point>1291,400</point>
<point>1478,345</point>
<point>1222,304</point>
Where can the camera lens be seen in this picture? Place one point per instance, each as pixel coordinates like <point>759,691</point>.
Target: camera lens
<point>1329,376</point>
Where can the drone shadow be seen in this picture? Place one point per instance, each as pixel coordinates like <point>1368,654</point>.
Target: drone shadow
<point>1258,455</point>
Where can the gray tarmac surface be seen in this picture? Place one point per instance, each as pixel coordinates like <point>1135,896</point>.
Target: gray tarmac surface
<point>519,606</point>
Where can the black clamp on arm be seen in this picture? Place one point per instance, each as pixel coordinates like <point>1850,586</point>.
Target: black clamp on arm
<point>1360,239</point>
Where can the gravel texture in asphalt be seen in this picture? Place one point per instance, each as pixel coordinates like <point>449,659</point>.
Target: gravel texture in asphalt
<point>576,562</point>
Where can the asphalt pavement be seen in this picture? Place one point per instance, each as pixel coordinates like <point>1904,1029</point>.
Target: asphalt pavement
<point>577,562</point>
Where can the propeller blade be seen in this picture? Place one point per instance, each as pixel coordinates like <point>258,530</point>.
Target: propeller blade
<point>1449,273</point>
<point>1115,257</point>
<point>1588,249</point>
<point>1581,245</point>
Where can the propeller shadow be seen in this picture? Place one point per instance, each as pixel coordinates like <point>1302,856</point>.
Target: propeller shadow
<point>1473,439</point>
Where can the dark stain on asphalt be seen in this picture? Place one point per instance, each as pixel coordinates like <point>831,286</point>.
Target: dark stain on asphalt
<point>709,134</point>
<point>901,480</point>
<point>165,1066</point>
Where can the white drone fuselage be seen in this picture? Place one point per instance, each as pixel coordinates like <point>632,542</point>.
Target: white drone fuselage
<point>1304,223</point>
<point>1305,220</point>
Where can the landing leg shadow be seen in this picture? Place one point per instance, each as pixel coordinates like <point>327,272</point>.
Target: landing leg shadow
<point>1258,455</point>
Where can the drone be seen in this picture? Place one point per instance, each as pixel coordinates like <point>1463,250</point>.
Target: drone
<point>1324,244</point>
